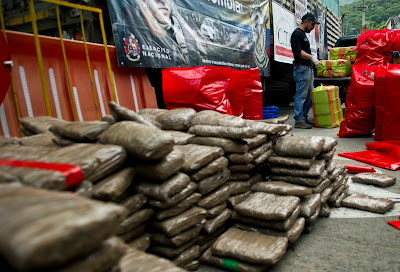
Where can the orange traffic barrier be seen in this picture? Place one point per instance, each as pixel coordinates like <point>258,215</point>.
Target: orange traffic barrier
<point>132,87</point>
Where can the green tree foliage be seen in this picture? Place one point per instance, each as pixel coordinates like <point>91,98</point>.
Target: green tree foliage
<point>374,18</point>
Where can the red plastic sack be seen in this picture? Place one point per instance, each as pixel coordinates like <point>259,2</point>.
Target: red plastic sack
<point>200,88</point>
<point>5,75</point>
<point>360,112</point>
<point>253,100</point>
<point>236,90</point>
<point>385,154</point>
<point>379,93</point>
<point>373,47</point>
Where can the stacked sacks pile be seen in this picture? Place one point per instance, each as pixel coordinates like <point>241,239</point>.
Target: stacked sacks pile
<point>307,162</point>
<point>48,230</point>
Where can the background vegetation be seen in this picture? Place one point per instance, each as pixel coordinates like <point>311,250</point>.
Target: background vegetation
<point>374,18</point>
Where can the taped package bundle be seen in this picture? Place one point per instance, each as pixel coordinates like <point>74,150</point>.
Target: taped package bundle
<point>327,107</point>
<point>334,68</point>
<point>347,53</point>
<point>305,162</point>
<point>44,229</point>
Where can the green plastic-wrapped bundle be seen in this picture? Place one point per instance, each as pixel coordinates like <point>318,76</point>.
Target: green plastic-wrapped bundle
<point>334,68</point>
<point>326,105</point>
<point>348,53</point>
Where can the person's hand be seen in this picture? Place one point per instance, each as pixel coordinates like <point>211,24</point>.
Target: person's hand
<point>315,61</point>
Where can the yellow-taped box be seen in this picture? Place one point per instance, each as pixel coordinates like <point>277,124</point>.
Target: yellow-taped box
<point>348,53</point>
<point>326,106</point>
<point>334,68</point>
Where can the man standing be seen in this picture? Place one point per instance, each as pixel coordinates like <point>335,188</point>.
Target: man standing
<point>303,73</point>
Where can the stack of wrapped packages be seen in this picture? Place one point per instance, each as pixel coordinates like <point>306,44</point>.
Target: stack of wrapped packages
<point>181,185</point>
<point>327,107</point>
<point>347,53</point>
<point>334,68</point>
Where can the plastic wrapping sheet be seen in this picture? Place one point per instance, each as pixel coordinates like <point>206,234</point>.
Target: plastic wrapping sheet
<point>281,188</point>
<point>40,124</point>
<point>256,141</point>
<point>299,146</point>
<point>250,247</point>
<point>381,180</point>
<point>215,223</point>
<point>200,88</point>
<point>182,222</point>
<point>197,156</point>
<point>209,117</point>
<point>268,206</point>
<point>214,198</point>
<point>309,205</point>
<point>236,91</point>
<point>163,169</point>
<point>180,137</point>
<point>114,186</point>
<point>348,53</point>
<point>134,220</point>
<point>164,191</point>
<point>228,145</point>
<point>360,112</point>
<point>140,141</point>
<point>367,203</point>
<point>133,203</point>
<point>179,208</point>
<point>103,259</point>
<point>253,99</point>
<point>292,234</point>
<point>385,154</point>
<point>213,167</point>
<point>187,256</point>
<point>64,226</point>
<point>334,68</point>
<point>316,170</point>
<point>305,163</point>
<point>214,181</point>
<point>142,242</point>
<point>215,211</point>
<point>284,225</point>
<point>135,260</point>
<point>223,131</point>
<point>373,47</point>
<point>171,202</point>
<point>176,119</point>
<point>80,131</point>
<point>231,264</point>
<point>177,240</point>
<point>124,114</point>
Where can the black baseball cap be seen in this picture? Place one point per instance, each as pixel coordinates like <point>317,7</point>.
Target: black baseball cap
<point>310,17</point>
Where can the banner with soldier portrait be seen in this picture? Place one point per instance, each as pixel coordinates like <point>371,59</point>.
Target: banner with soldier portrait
<point>187,33</point>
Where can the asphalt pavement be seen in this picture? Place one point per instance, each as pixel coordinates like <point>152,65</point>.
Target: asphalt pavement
<point>350,239</point>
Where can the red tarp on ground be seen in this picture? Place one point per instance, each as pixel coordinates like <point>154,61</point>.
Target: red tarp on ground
<point>385,154</point>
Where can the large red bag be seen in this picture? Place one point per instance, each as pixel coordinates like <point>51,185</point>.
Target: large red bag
<point>360,112</point>
<point>373,47</point>
<point>253,100</point>
<point>236,90</point>
<point>200,88</point>
<point>379,93</point>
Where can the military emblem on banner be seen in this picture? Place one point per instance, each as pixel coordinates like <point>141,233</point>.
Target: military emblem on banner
<point>131,47</point>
